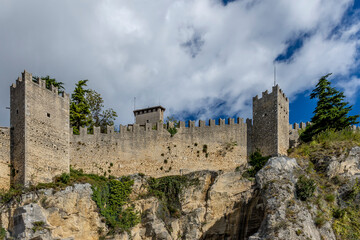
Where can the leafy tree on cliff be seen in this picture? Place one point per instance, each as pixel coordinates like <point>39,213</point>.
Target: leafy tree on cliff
<point>331,111</point>
<point>99,117</point>
<point>79,107</point>
<point>51,81</point>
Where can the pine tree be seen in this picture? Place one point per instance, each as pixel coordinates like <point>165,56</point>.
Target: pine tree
<point>331,111</point>
<point>79,108</point>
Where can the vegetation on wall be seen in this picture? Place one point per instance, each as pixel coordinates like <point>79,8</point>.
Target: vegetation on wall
<point>50,82</point>
<point>172,130</point>
<point>331,111</point>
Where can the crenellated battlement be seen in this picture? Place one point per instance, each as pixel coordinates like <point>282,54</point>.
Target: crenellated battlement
<point>125,131</point>
<point>266,96</point>
<point>297,126</point>
<point>26,77</point>
<point>43,144</point>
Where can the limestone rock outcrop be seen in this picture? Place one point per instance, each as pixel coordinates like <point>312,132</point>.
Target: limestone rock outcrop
<point>285,216</point>
<point>67,214</point>
<point>219,205</point>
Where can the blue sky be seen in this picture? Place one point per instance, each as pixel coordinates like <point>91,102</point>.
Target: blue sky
<point>200,59</point>
<point>302,107</point>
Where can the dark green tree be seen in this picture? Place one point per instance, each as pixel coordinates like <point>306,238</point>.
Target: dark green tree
<point>331,111</point>
<point>79,107</point>
<point>51,81</point>
<point>99,117</point>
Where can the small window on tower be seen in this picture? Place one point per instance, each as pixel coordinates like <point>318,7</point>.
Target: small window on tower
<point>17,111</point>
<point>48,115</point>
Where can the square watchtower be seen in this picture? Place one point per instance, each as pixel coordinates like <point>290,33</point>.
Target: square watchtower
<point>270,132</point>
<point>149,115</point>
<point>39,120</point>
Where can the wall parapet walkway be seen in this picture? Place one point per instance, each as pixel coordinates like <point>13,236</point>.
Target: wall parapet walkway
<point>153,151</point>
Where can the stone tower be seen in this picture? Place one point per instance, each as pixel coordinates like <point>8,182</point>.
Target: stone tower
<point>39,120</point>
<point>270,133</point>
<point>149,115</point>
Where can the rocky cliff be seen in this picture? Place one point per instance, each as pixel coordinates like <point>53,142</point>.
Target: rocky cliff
<point>216,205</point>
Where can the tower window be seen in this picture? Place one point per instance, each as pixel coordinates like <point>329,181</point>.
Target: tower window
<point>48,115</point>
<point>17,111</point>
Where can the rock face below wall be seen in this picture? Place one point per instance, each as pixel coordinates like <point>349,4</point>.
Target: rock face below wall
<point>286,217</point>
<point>219,206</point>
<point>68,214</point>
<point>211,209</point>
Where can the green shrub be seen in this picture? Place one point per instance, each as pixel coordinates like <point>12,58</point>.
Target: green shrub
<point>346,224</point>
<point>330,198</point>
<point>172,131</point>
<point>110,197</point>
<point>304,188</point>
<point>38,226</point>
<point>6,196</point>
<point>65,178</point>
<point>257,161</point>
<point>338,213</point>
<point>320,220</point>
<point>2,233</point>
<point>167,190</point>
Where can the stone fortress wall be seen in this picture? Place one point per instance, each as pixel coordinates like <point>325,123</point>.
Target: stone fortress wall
<point>39,119</point>
<point>4,158</point>
<point>43,146</point>
<point>153,151</point>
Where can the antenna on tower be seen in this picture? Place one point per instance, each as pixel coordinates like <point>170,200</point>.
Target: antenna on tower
<point>274,74</point>
<point>134,103</point>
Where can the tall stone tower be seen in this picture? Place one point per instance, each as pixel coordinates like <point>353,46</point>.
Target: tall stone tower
<point>270,133</point>
<point>39,120</point>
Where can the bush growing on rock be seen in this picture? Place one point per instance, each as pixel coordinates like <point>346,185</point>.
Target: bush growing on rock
<point>305,188</point>
<point>257,162</point>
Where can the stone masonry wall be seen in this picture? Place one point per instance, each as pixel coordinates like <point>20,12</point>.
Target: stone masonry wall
<point>156,153</point>
<point>151,117</point>
<point>264,132</point>
<point>282,122</point>
<point>45,130</point>
<point>294,133</point>
<point>47,135</point>
<point>17,126</point>
<point>4,158</point>
<point>270,131</point>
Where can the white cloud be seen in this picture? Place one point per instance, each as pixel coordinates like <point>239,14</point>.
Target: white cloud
<point>351,88</point>
<point>185,54</point>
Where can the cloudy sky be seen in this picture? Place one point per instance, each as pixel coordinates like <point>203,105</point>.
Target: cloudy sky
<point>198,58</point>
